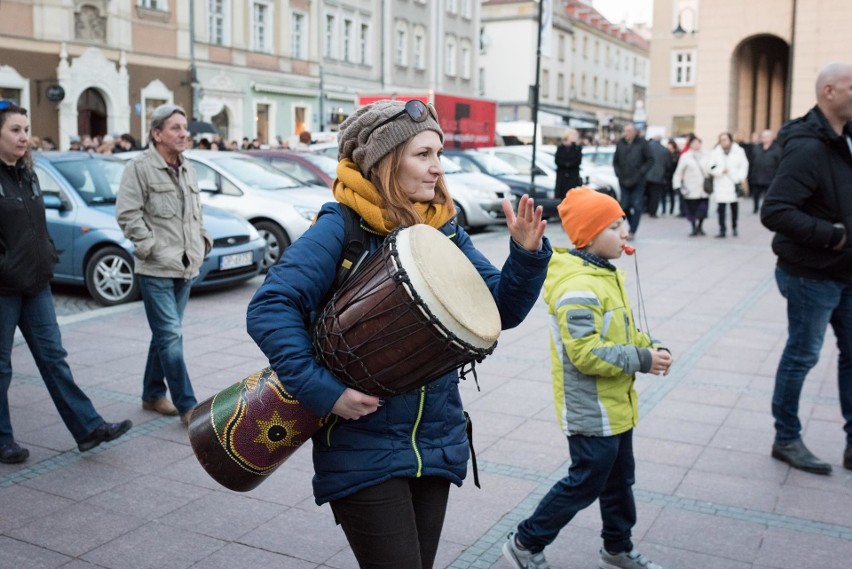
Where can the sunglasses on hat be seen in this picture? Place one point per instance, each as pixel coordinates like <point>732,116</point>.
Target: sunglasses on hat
<point>5,104</point>
<point>417,110</point>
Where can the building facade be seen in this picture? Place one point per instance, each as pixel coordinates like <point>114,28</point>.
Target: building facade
<point>740,67</point>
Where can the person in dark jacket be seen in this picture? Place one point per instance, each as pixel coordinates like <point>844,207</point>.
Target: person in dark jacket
<point>569,155</point>
<point>27,257</point>
<point>386,466</point>
<point>763,163</point>
<point>659,176</point>
<point>809,207</point>
<point>631,162</point>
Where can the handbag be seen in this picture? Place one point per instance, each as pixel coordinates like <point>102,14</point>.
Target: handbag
<point>738,187</point>
<point>708,180</point>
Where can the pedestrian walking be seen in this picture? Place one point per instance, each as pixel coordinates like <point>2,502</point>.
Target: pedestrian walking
<point>688,179</point>
<point>765,158</point>
<point>159,209</point>
<point>671,196</point>
<point>728,165</point>
<point>809,207</point>
<point>658,176</point>
<point>386,466</point>
<point>569,156</point>
<point>27,259</point>
<point>596,351</point>
<point>631,162</point>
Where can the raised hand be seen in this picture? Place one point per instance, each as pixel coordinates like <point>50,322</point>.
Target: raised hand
<point>527,227</point>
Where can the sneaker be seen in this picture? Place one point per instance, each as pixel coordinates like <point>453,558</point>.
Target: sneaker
<point>162,406</point>
<point>12,453</point>
<point>625,560</point>
<point>106,432</point>
<point>521,558</point>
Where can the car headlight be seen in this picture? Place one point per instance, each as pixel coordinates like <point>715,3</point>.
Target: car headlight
<point>308,213</point>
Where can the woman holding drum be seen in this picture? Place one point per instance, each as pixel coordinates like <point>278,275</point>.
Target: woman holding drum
<point>384,460</point>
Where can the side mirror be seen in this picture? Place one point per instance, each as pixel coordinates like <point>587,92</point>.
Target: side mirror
<point>53,201</point>
<point>538,171</point>
<point>208,186</point>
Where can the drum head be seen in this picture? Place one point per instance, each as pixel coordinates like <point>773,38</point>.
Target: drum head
<point>449,285</point>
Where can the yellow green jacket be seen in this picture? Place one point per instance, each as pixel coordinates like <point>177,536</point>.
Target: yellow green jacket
<point>595,347</point>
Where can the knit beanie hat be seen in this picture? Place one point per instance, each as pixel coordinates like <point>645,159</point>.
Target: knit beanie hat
<point>358,141</point>
<point>585,213</point>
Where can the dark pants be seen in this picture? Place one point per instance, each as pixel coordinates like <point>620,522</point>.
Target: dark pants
<point>721,210</point>
<point>655,194</point>
<point>757,192</point>
<point>36,317</point>
<point>165,301</point>
<point>811,306</point>
<point>601,468</point>
<point>670,196</point>
<point>632,202</point>
<point>696,210</point>
<point>396,523</point>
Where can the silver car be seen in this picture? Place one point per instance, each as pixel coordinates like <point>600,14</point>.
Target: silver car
<point>478,197</point>
<point>280,207</point>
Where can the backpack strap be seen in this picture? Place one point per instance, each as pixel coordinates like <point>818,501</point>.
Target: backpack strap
<point>354,246</point>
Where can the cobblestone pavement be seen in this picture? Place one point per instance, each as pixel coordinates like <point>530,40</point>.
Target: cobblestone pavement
<point>708,494</point>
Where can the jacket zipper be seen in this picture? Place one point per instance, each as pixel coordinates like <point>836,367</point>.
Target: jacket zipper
<point>414,432</point>
<point>328,431</point>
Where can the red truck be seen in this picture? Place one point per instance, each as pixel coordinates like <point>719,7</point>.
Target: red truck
<point>466,122</point>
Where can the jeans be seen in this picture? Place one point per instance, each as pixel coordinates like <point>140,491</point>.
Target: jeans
<point>165,301</point>
<point>757,191</point>
<point>396,523</point>
<point>811,306</point>
<point>36,317</point>
<point>601,468</point>
<point>632,202</point>
<point>656,192</point>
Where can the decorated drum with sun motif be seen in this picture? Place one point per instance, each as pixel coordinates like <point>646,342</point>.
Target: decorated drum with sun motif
<point>243,433</point>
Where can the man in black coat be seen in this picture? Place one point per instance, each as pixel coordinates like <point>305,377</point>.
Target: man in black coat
<point>631,162</point>
<point>762,165</point>
<point>809,207</point>
<point>656,178</point>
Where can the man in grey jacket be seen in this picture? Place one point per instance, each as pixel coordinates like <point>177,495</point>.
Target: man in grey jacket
<point>159,209</point>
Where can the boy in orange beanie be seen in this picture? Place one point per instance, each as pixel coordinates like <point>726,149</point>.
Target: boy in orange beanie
<point>596,351</point>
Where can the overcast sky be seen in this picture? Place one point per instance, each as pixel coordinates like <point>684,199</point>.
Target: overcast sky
<point>631,11</point>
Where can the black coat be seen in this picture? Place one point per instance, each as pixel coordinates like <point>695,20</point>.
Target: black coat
<point>809,204</point>
<point>27,254</point>
<point>568,159</point>
<point>763,164</point>
<point>632,161</point>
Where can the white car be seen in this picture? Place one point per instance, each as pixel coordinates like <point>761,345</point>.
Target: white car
<point>280,207</point>
<point>478,197</point>
<point>520,157</point>
<point>597,163</point>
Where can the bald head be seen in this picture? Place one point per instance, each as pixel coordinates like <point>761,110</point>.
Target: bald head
<point>831,74</point>
<point>834,93</point>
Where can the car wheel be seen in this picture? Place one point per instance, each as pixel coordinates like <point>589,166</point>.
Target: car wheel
<point>110,277</point>
<point>461,217</point>
<point>276,242</point>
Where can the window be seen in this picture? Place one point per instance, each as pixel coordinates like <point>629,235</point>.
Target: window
<point>419,49</point>
<point>606,61</point>
<point>364,44</point>
<point>261,32</point>
<point>560,87</point>
<point>401,44</point>
<point>467,9</point>
<point>481,81</point>
<point>573,92</point>
<point>216,22</point>
<point>330,36</point>
<point>347,40</point>
<point>561,47</point>
<point>450,63</point>
<point>161,5</point>
<point>298,35</point>
<point>452,6</point>
<point>583,85</point>
<point>683,68</point>
<point>618,59</point>
<point>585,48</point>
<point>595,88</point>
<point>545,83</point>
<point>465,61</point>
<point>606,90</point>
<point>597,50</point>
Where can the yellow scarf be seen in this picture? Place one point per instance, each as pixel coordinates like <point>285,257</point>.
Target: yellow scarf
<point>353,189</point>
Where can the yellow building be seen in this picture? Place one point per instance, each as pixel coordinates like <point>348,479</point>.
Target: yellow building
<point>740,67</point>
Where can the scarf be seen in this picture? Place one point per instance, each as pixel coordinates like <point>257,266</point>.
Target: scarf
<point>355,191</point>
<point>593,259</point>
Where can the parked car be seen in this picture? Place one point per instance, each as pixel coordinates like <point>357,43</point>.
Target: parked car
<point>597,163</point>
<point>329,149</point>
<point>278,205</point>
<point>478,197</point>
<point>79,190</point>
<point>307,167</point>
<point>487,163</point>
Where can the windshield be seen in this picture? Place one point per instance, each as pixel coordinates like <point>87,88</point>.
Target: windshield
<point>495,166</point>
<point>598,157</point>
<point>96,181</point>
<point>327,164</point>
<point>449,166</point>
<point>256,173</point>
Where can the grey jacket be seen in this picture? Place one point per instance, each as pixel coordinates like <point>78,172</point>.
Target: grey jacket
<point>160,212</point>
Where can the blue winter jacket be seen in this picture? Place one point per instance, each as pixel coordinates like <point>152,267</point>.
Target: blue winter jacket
<point>419,433</point>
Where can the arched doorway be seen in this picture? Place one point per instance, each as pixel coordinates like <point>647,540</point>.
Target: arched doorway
<point>91,113</point>
<point>761,68</point>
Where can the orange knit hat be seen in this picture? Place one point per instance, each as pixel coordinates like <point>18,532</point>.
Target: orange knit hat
<point>585,213</point>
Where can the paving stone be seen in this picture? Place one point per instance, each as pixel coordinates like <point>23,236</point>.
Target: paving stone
<point>223,515</point>
<point>235,555</point>
<point>81,478</point>
<point>16,554</point>
<point>149,497</point>
<point>286,534</point>
<point>792,550</point>
<point>20,505</point>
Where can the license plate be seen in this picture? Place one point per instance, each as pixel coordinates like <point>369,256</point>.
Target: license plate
<point>235,261</point>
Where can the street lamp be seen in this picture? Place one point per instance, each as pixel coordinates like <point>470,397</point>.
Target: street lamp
<point>680,31</point>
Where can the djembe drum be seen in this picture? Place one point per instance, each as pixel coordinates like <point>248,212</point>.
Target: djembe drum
<point>416,310</point>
